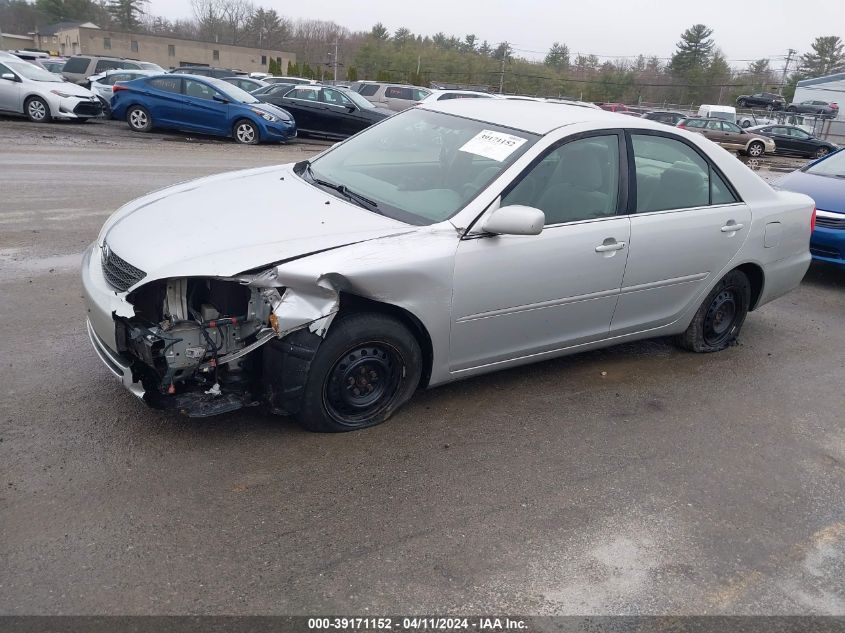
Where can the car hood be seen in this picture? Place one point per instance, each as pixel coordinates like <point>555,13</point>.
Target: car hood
<point>226,224</point>
<point>269,108</point>
<point>66,87</point>
<point>827,191</point>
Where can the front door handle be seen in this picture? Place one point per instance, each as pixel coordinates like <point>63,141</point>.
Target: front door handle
<point>732,227</point>
<point>610,245</point>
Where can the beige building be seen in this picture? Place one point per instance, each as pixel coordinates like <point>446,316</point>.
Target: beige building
<point>167,52</point>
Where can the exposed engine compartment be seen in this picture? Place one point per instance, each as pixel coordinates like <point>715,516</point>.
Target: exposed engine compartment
<point>191,337</point>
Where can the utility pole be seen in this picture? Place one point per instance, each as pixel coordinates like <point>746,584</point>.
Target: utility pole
<point>502,74</point>
<point>1,38</point>
<point>335,59</point>
<point>789,55</point>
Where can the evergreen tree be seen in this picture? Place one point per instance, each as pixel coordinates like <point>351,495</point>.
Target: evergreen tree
<point>127,13</point>
<point>380,32</point>
<point>695,50</point>
<point>826,58</point>
<point>558,57</point>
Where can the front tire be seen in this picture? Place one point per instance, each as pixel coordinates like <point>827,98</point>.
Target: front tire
<point>139,119</point>
<point>822,152</point>
<point>246,132</point>
<point>717,323</point>
<point>756,149</point>
<point>741,103</point>
<point>37,110</point>
<point>368,366</point>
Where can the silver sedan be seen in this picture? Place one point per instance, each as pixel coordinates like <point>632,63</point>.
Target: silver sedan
<point>42,96</point>
<point>450,240</point>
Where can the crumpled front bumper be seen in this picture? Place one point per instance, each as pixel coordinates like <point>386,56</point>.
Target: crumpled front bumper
<point>102,303</point>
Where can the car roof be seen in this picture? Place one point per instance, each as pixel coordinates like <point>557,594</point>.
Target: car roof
<point>533,116</point>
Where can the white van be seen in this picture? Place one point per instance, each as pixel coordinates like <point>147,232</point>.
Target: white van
<point>727,113</point>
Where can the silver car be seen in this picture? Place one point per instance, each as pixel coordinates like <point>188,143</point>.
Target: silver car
<point>450,240</point>
<point>42,96</point>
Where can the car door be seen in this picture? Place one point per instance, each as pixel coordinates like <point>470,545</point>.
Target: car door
<point>303,104</point>
<point>516,296</point>
<point>687,225</point>
<point>803,142</point>
<point>712,129</point>
<point>341,116</point>
<point>205,109</point>
<point>780,135</point>
<point>162,96</point>
<point>10,91</point>
<point>732,135</point>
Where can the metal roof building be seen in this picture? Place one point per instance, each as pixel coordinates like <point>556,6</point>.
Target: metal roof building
<point>830,88</point>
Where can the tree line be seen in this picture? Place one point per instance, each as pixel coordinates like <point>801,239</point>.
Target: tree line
<point>696,72</point>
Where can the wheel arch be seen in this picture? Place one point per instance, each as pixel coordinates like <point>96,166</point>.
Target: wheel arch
<point>350,303</point>
<point>757,278</point>
<point>32,95</point>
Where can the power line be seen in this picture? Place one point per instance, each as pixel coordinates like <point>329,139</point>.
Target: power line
<point>605,56</point>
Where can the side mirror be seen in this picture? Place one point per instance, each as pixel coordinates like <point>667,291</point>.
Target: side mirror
<point>351,108</point>
<point>220,99</point>
<point>8,77</point>
<point>515,219</point>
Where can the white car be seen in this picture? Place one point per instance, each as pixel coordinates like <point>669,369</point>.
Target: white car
<point>447,241</point>
<point>102,85</point>
<point>446,95</point>
<point>41,96</point>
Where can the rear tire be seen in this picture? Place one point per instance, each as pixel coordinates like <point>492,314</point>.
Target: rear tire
<point>37,110</point>
<point>368,366</point>
<point>717,323</point>
<point>792,109</point>
<point>139,119</point>
<point>246,132</point>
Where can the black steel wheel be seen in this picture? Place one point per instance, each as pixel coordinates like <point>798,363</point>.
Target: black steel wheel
<point>367,367</point>
<point>719,319</point>
<point>362,382</point>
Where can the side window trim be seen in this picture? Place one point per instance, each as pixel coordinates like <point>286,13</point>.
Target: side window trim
<point>624,178</point>
<point>711,168</point>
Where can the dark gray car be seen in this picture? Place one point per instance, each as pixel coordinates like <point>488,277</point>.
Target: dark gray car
<point>815,107</point>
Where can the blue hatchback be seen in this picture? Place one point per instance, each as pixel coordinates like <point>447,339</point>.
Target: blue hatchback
<point>199,104</point>
<point>824,181</point>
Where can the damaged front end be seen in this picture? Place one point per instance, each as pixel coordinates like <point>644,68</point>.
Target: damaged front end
<point>205,346</point>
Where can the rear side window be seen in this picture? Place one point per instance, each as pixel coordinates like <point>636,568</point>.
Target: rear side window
<point>396,92</point>
<point>672,175</point>
<point>77,65</point>
<point>368,90</point>
<point>306,94</point>
<point>107,64</point>
<point>167,84</point>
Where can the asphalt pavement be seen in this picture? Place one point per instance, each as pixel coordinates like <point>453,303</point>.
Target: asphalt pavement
<point>640,479</point>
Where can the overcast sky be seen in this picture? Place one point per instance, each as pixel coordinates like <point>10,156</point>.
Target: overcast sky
<point>611,28</point>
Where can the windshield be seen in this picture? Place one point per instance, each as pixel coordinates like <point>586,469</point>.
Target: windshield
<point>422,167</point>
<point>832,166</point>
<point>233,92</point>
<point>357,99</point>
<point>32,72</point>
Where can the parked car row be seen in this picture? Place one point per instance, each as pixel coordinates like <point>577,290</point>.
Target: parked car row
<point>776,102</point>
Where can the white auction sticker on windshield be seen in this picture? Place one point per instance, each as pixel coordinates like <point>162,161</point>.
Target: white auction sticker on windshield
<point>494,145</point>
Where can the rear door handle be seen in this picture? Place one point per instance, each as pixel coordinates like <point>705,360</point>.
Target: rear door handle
<point>732,227</point>
<point>609,246</point>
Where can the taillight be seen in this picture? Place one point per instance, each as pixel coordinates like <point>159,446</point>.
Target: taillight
<point>682,126</point>
<point>118,88</point>
<point>813,220</point>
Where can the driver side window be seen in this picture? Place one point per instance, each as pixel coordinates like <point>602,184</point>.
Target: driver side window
<point>199,90</point>
<point>576,181</point>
